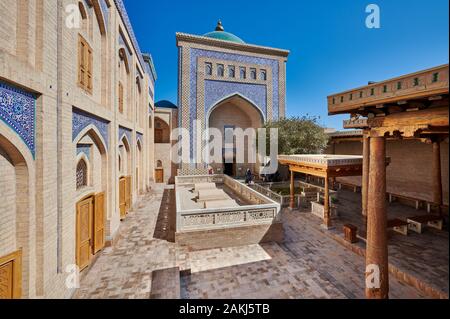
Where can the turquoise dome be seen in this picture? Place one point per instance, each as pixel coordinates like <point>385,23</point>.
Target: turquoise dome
<point>220,34</point>
<point>224,36</point>
<point>165,104</point>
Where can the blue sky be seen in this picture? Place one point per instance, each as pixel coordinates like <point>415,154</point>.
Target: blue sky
<point>331,48</point>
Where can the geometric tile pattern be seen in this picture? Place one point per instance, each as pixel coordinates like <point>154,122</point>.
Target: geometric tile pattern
<point>139,137</point>
<point>84,149</point>
<point>217,90</point>
<point>17,110</point>
<point>125,131</point>
<point>81,119</point>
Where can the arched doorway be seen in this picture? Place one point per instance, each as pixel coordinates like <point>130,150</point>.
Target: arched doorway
<point>15,217</point>
<point>139,167</point>
<point>91,175</point>
<point>235,112</point>
<point>125,173</point>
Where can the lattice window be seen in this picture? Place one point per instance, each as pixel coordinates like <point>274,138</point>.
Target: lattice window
<point>208,69</point>
<point>81,174</point>
<point>243,73</point>
<point>253,74</point>
<point>263,75</point>
<point>231,71</point>
<point>220,70</point>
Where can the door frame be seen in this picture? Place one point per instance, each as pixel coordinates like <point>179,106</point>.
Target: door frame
<point>159,170</point>
<point>78,231</point>
<point>123,204</point>
<point>16,259</point>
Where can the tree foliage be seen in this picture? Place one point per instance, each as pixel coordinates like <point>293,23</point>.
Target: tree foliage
<point>299,135</point>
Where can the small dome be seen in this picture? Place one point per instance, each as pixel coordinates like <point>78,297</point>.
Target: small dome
<point>165,105</point>
<point>220,34</point>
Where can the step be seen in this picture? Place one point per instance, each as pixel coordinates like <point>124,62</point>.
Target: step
<point>166,284</point>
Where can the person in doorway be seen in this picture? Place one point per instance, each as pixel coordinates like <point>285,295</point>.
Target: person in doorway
<point>248,176</point>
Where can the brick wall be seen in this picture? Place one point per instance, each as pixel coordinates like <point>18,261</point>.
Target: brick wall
<point>45,212</point>
<point>410,168</point>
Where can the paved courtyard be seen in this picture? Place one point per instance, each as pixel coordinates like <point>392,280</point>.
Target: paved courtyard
<point>307,265</point>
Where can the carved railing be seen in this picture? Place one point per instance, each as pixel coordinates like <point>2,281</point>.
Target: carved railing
<point>262,209</point>
<point>284,200</point>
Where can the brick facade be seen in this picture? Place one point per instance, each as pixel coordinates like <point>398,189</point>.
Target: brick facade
<point>39,150</point>
<point>410,170</point>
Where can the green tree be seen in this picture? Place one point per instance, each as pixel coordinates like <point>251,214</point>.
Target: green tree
<point>298,135</point>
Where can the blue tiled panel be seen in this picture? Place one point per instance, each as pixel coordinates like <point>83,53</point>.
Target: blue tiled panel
<point>139,137</point>
<point>125,131</point>
<point>150,92</point>
<point>80,120</point>
<point>18,110</point>
<point>215,91</point>
<point>126,19</point>
<point>196,53</point>
<point>86,149</point>
<point>105,10</point>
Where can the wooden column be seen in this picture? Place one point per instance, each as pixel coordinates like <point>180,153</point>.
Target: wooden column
<point>365,176</point>
<point>377,249</point>
<point>326,205</point>
<point>292,199</point>
<point>437,175</point>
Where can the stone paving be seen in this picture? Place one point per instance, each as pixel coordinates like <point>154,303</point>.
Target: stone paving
<point>307,265</point>
<point>125,270</point>
<point>423,255</point>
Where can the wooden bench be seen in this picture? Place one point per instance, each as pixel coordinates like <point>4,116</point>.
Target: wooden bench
<point>350,185</point>
<point>399,226</point>
<point>417,223</point>
<point>228,203</point>
<point>417,201</point>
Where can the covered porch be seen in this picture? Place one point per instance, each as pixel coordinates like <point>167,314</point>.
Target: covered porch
<point>328,167</point>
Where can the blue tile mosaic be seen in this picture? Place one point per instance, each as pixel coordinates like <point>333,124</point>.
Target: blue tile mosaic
<point>85,149</point>
<point>81,120</point>
<point>196,53</point>
<point>140,137</point>
<point>123,13</point>
<point>125,131</point>
<point>18,111</point>
<point>105,10</point>
<point>215,91</point>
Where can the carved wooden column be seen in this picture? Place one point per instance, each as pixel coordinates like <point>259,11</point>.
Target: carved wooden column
<point>437,175</point>
<point>292,199</point>
<point>377,249</point>
<point>365,176</point>
<point>326,205</point>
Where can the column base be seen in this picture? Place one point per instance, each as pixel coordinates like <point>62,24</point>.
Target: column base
<point>326,227</point>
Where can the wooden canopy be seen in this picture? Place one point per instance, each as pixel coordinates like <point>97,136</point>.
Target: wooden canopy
<point>326,166</point>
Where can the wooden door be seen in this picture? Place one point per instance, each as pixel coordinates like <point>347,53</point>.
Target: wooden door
<point>158,136</point>
<point>11,276</point>
<point>6,281</point>
<point>99,222</point>
<point>84,243</point>
<point>137,180</point>
<point>159,175</point>
<point>128,193</point>
<point>122,198</point>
